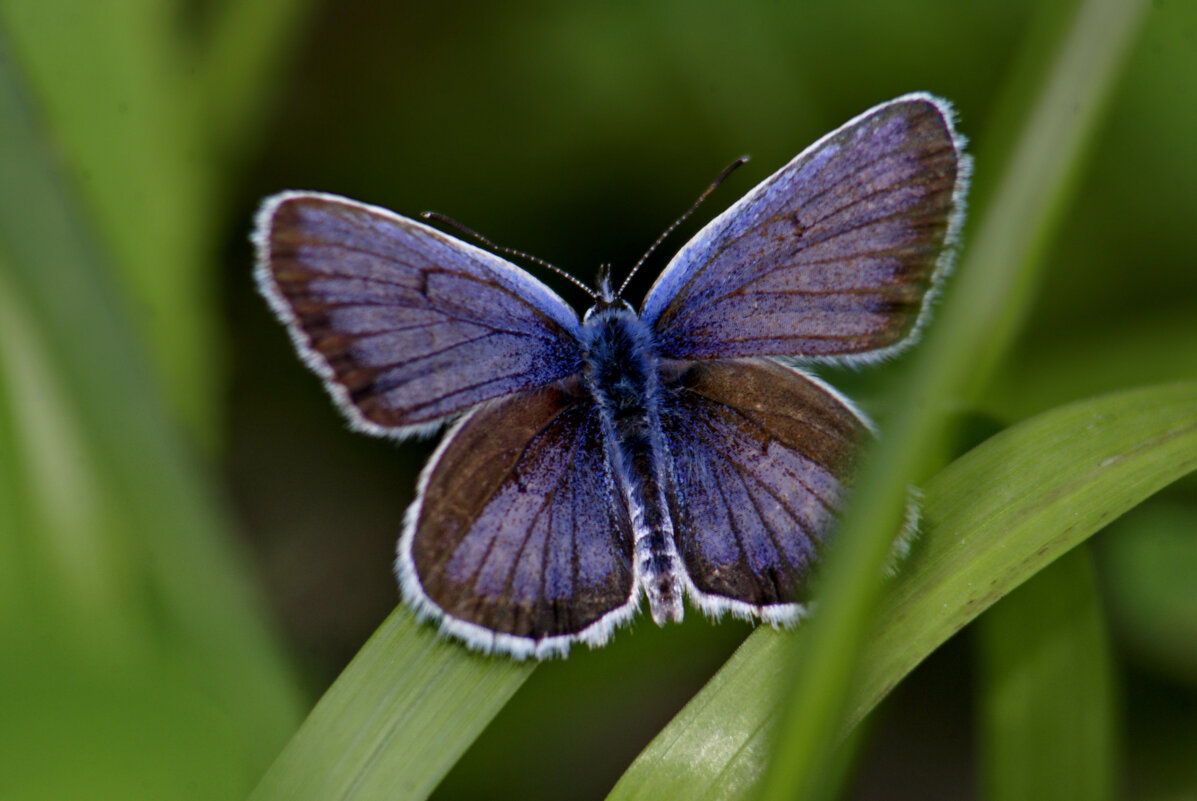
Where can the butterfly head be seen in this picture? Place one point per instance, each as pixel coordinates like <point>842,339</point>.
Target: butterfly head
<point>606,297</point>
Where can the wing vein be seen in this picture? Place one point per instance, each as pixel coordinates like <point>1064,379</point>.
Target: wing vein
<point>712,299</point>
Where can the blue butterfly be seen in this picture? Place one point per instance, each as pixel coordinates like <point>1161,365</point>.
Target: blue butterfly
<point>672,453</point>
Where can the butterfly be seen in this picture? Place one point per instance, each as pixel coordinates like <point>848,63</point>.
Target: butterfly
<point>678,452</point>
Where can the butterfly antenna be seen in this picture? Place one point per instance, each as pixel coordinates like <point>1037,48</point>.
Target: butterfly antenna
<point>470,232</point>
<point>720,178</point>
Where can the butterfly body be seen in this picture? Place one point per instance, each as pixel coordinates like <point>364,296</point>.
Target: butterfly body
<point>667,454</point>
<point>622,375</point>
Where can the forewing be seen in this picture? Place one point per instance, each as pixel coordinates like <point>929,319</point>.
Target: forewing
<point>834,255</point>
<point>518,540</point>
<point>405,324</point>
<point>762,455</point>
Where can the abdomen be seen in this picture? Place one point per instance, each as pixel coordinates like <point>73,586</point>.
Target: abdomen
<point>621,372</point>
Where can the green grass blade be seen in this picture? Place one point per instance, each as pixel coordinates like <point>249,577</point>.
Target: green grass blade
<point>1004,255</point>
<point>980,314</point>
<point>1047,720</point>
<point>110,82</point>
<point>993,518</point>
<point>241,62</point>
<point>148,121</point>
<point>133,658</point>
<point>396,719</point>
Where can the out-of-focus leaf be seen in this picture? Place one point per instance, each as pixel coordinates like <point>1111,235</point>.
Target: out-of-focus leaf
<point>241,62</point>
<point>135,662</point>
<point>1149,565</point>
<point>1048,716</point>
<point>1079,364</point>
<point>148,119</point>
<point>110,82</point>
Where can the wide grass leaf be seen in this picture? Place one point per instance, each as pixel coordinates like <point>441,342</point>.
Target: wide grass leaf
<point>396,720</point>
<point>992,519</point>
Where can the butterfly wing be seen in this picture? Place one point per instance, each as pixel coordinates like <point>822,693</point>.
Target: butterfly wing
<point>517,540</point>
<point>762,455</point>
<point>406,325</point>
<point>833,255</point>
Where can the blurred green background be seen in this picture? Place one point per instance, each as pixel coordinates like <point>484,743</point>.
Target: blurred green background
<point>192,545</point>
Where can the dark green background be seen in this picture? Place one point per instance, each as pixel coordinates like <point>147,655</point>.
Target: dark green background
<point>577,132</point>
